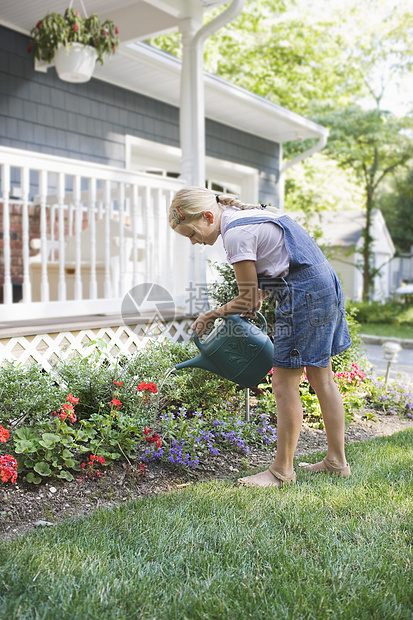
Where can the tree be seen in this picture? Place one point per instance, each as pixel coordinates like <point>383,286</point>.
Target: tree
<point>373,144</point>
<point>333,64</point>
<point>397,207</point>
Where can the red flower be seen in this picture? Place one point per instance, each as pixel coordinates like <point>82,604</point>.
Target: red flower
<point>55,414</point>
<point>29,49</point>
<point>152,387</point>
<point>68,408</point>
<point>72,399</point>
<point>147,386</point>
<point>73,418</point>
<point>115,402</point>
<point>142,468</point>
<point>8,468</point>
<point>146,430</point>
<point>99,459</point>
<point>4,434</point>
<point>39,25</point>
<point>75,27</point>
<point>116,30</point>
<point>118,383</point>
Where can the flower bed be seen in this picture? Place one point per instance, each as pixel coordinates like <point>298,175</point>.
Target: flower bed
<point>95,411</point>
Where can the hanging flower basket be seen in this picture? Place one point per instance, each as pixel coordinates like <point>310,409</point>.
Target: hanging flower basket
<point>72,39</point>
<point>75,62</point>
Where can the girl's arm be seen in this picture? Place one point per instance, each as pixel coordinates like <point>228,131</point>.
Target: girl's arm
<point>249,297</point>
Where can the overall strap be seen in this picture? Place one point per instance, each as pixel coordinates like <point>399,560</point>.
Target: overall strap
<point>302,251</point>
<point>250,220</point>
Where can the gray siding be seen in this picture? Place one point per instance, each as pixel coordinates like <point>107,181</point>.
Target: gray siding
<point>39,112</point>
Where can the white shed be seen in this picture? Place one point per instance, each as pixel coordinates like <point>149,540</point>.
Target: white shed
<point>342,235</point>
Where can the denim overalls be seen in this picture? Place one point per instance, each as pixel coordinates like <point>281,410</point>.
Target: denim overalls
<point>310,319</point>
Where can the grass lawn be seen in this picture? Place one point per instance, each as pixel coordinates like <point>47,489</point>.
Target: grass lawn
<point>387,331</point>
<point>325,548</point>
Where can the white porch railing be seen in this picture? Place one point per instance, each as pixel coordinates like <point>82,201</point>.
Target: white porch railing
<point>102,230</point>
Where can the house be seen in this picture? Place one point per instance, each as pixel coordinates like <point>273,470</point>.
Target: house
<point>88,171</point>
<point>342,236</point>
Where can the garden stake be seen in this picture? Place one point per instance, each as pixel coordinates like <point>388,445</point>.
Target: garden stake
<point>247,405</point>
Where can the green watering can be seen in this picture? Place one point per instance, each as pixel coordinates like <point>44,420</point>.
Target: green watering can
<point>237,350</point>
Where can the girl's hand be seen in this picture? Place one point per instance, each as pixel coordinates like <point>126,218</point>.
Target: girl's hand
<point>202,324</point>
<point>249,315</point>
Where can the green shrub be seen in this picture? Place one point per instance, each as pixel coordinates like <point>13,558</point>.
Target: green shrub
<point>27,394</point>
<point>91,379</point>
<point>192,388</point>
<point>391,312</point>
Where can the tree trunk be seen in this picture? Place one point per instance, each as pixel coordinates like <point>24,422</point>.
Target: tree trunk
<point>367,268</point>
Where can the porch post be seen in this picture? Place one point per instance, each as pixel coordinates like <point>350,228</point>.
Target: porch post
<point>7,286</point>
<point>192,121</point>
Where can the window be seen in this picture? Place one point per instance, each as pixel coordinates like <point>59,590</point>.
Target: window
<point>222,176</point>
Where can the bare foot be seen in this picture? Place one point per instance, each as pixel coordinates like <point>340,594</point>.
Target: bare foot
<point>327,466</point>
<point>263,479</point>
<point>314,467</point>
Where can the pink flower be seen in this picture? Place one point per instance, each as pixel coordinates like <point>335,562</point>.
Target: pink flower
<point>75,27</point>
<point>116,30</point>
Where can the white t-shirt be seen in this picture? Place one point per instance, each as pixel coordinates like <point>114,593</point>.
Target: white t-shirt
<point>262,243</point>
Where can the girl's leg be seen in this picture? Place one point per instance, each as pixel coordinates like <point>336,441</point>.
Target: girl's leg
<point>285,382</point>
<point>331,403</point>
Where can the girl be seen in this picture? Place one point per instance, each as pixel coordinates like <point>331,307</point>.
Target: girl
<point>272,254</point>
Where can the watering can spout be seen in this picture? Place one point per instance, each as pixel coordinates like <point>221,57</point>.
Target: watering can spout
<point>198,362</point>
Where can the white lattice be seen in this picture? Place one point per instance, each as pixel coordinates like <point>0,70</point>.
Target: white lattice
<point>46,348</point>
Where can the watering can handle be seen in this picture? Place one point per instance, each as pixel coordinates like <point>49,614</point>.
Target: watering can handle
<point>263,329</point>
<point>263,322</point>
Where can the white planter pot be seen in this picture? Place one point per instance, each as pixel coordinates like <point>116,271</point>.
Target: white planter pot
<point>75,63</point>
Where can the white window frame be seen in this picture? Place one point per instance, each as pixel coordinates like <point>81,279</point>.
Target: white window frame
<point>149,156</point>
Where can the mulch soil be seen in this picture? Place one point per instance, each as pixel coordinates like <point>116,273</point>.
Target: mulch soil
<point>23,506</point>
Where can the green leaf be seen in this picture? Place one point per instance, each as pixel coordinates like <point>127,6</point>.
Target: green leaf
<point>24,446</point>
<point>69,462</point>
<point>66,475</point>
<point>50,438</point>
<point>42,468</point>
<point>32,478</point>
<point>67,441</point>
<point>25,433</point>
<point>67,454</point>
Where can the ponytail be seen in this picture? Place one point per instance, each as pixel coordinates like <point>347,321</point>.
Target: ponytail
<point>190,203</point>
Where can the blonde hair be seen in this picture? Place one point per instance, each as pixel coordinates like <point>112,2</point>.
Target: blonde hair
<point>190,203</point>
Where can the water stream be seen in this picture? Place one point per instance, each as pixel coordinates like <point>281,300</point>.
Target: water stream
<point>167,374</point>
